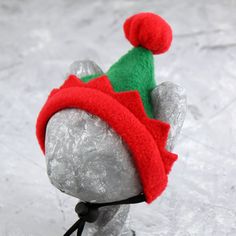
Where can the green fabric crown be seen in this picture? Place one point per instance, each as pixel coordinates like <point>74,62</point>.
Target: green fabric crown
<point>133,71</point>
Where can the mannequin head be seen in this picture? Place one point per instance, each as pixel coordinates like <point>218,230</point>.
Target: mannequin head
<point>87,159</point>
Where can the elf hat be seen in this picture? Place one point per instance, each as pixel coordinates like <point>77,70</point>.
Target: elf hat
<point>121,97</point>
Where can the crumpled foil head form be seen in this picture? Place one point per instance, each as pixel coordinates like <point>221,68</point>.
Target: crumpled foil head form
<point>87,159</point>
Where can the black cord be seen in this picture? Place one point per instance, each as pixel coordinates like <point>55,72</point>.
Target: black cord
<point>78,224</point>
<point>88,212</point>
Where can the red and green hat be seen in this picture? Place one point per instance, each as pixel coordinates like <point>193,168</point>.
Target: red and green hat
<point>121,97</point>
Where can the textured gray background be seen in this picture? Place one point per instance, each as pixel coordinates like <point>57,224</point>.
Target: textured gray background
<point>38,42</point>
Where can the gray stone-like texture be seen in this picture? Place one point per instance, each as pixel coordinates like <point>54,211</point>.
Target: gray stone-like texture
<point>88,160</point>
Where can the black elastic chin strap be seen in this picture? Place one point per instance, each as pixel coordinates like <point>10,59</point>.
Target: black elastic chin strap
<point>88,212</point>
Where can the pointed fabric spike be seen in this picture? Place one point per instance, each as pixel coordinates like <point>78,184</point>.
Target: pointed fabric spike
<point>53,92</point>
<point>168,160</point>
<point>71,81</point>
<point>159,131</point>
<point>101,83</point>
<point>133,102</point>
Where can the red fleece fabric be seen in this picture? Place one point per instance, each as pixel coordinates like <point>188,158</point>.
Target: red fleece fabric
<point>124,112</point>
<point>150,31</point>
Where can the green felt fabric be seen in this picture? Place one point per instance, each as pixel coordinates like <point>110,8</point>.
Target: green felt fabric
<point>133,71</point>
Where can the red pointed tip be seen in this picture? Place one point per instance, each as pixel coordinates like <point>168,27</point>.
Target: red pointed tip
<point>71,81</point>
<point>168,160</point>
<point>159,130</point>
<point>133,101</point>
<point>101,83</point>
